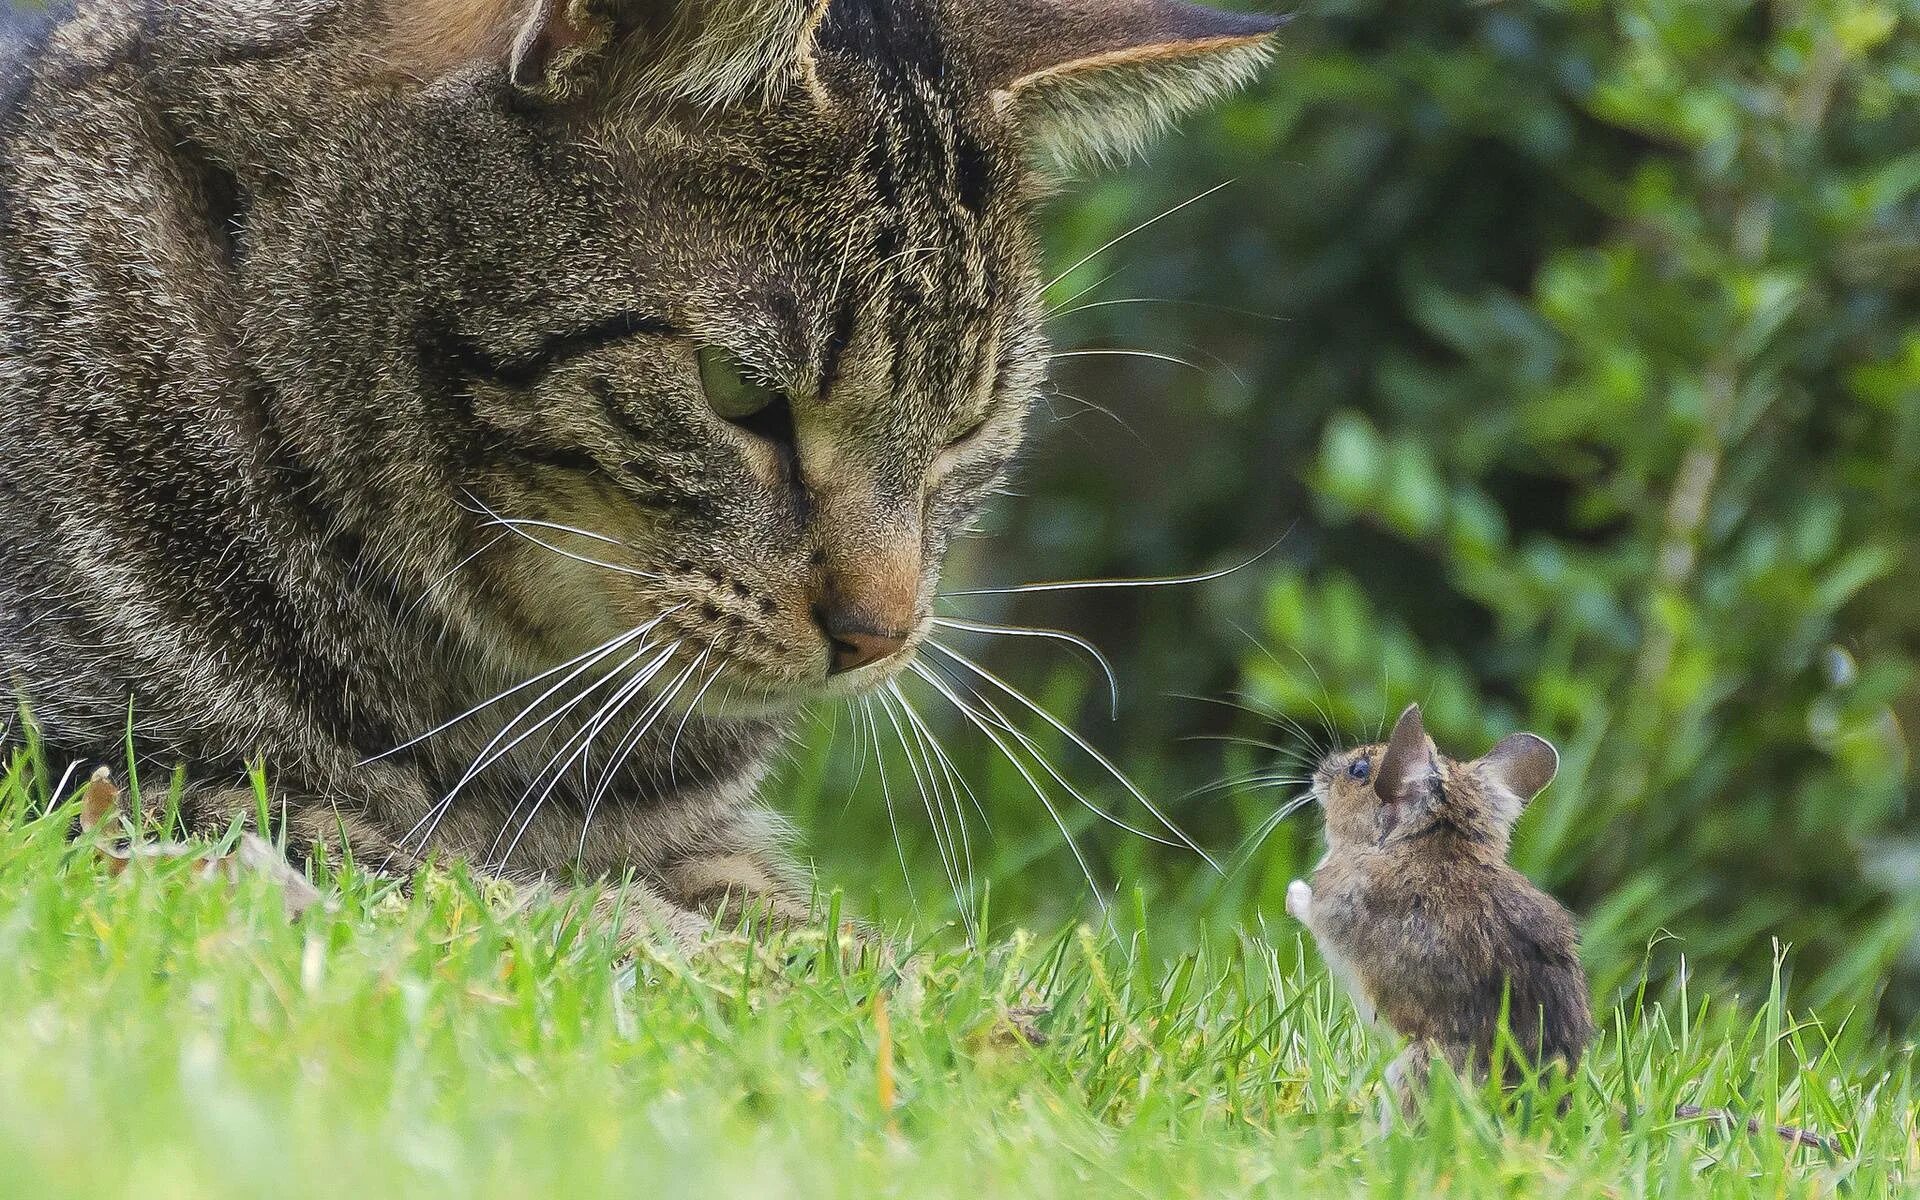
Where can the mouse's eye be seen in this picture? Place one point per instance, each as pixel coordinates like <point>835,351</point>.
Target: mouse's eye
<point>1359,768</point>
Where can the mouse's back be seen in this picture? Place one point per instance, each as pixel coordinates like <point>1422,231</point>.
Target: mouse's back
<point>1418,907</point>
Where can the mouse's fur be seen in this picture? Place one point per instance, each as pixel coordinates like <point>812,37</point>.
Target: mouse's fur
<point>1418,912</point>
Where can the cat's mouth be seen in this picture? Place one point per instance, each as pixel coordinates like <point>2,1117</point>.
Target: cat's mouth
<point>697,656</point>
<point>746,688</point>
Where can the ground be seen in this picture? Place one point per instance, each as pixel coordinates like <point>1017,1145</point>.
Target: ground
<point>170,1035</point>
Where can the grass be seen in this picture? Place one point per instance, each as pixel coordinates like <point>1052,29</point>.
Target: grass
<point>168,1037</point>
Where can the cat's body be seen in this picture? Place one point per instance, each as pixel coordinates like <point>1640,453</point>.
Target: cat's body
<point>361,360</point>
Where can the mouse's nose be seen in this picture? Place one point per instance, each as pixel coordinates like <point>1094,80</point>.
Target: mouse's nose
<point>856,641</point>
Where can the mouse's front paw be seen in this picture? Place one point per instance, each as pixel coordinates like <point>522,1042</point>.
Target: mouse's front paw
<point>1299,899</point>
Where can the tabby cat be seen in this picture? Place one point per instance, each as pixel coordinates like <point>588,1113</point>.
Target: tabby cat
<point>361,360</point>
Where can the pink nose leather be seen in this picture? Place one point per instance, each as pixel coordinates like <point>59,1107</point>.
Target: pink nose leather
<point>855,642</point>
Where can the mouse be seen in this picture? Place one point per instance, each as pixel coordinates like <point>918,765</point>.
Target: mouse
<point>1418,913</point>
<point>1433,933</point>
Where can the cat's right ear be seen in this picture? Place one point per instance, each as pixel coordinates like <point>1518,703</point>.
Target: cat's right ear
<point>1095,80</point>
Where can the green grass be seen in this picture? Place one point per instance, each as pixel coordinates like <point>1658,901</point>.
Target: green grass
<point>167,1037</point>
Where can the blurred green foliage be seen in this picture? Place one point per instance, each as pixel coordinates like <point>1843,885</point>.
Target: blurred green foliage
<point>1575,350</point>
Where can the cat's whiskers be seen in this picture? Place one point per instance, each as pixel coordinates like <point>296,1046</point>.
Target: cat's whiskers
<point>886,797</point>
<point>1056,392</point>
<point>1126,352</point>
<point>1023,700</point>
<point>578,744</point>
<point>518,526</point>
<point>955,776</point>
<point>927,783</point>
<point>630,741</point>
<point>947,691</point>
<point>1063,313</point>
<point>992,712</point>
<point>429,823</point>
<point>598,652</point>
<point>713,677</point>
<point>1083,585</point>
<point>1147,224</point>
<point>632,738</point>
<point>1056,635</point>
<point>1086,291</point>
<point>428,592</point>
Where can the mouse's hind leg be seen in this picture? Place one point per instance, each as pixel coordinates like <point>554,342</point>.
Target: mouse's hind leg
<point>1406,1079</point>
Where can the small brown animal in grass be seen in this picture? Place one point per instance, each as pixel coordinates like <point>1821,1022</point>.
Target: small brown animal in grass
<point>1418,913</point>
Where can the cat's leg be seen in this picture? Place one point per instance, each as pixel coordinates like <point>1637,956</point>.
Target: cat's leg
<point>637,908</point>
<point>740,869</point>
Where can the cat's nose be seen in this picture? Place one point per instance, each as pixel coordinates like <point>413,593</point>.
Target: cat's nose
<point>855,640</point>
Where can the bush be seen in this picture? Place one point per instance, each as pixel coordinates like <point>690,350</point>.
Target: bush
<point>1584,369</point>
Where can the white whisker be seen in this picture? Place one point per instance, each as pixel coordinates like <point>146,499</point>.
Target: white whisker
<point>598,652</point>
<point>1085,746</point>
<point>449,573</point>
<point>492,752</point>
<point>513,523</point>
<point>581,742</point>
<point>1081,585</point>
<point>1063,313</point>
<point>1039,792</point>
<point>1057,279</point>
<point>1125,352</point>
<point>886,796</point>
<point>1032,747</point>
<point>630,741</point>
<point>713,677</point>
<point>513,526</point>
<point>935,807</point>
<point>1088,290</point>
<point>1057,635</point>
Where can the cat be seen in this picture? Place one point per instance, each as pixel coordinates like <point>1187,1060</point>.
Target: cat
<point>364,360</point>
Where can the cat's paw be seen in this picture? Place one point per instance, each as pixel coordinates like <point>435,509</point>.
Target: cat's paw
<point>1299,900</point>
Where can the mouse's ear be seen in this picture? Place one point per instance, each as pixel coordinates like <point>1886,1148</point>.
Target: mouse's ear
<point>1523,763</point>
<point>1406,765</point>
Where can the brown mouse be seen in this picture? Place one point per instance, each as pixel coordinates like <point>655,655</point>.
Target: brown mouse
<point>1418,913</point>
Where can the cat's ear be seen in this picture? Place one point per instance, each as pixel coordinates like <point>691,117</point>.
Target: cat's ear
<point>1522,763</point>
<point>1095,80</point>
<point>708,52</point>
<point>1406,767</point>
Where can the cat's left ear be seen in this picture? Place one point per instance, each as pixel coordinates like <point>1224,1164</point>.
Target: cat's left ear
<point>1098,79</point>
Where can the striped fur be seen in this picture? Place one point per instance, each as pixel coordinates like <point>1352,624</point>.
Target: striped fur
<point>298,297</point>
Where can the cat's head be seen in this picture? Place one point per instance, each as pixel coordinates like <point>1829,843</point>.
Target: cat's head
<point>771,326</point>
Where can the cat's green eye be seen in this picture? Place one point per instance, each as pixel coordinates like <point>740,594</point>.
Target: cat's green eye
<point>731,393</point>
